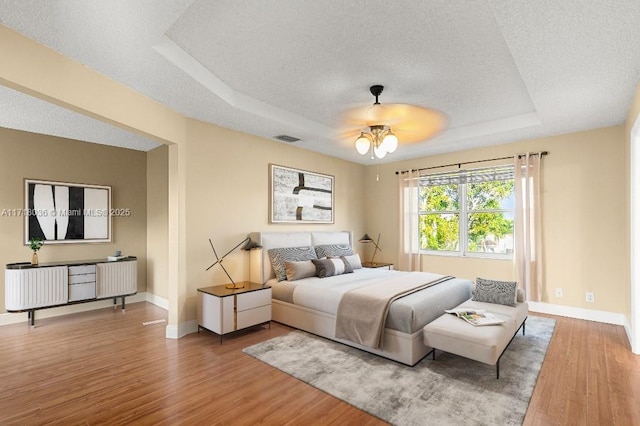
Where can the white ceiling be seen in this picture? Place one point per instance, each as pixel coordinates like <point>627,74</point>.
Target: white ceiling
<point>500,70</point>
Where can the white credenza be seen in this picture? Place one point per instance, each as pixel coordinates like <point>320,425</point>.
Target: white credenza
<point>224,310</point>
<point>31,287</point>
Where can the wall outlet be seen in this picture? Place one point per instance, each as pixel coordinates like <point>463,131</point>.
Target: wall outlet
<point>590,297</point>
<point>558,292</point>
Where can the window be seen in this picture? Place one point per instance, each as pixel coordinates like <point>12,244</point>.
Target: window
<point>468,212</point>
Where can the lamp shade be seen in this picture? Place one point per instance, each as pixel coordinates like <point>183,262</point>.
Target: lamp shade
<point>365,239</point>
<point>362,144</point>
<point>379,151</point>
<point>390,142</point>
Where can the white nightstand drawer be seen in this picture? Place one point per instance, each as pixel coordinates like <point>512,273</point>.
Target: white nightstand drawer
<point>254,299</point>
<point>254,316</point>
<point>82,269</point>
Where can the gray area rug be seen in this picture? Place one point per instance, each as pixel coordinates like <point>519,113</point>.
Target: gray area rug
<point>448,391</point>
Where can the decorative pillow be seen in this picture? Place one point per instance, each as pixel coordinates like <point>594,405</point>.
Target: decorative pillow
<point>280,255</point>
<point>354,261</point>
<point>299,270</point>
<point>347,266</point>
<point>329,267</point>
<point>333,250</point>
<point>492,291</point>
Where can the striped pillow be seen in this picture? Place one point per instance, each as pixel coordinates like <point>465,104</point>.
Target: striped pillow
<point>331,267</point>
<point>328,250</point>
<point>279,256</point>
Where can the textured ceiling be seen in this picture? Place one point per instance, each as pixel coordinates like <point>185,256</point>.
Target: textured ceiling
<point>500,70</point>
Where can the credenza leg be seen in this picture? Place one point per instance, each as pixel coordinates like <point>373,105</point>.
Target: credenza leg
<point>123,304</point>
<point>115,302</point>
<point>32,317</point>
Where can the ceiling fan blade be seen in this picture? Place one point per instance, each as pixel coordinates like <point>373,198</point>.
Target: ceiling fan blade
<point>415,124</point>
<point>348,137</point>
<point>411,123</point>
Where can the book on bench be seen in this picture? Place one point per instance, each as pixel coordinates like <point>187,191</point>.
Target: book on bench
<point>477,317</point>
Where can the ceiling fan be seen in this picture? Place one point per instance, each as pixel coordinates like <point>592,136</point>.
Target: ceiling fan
<point>378,129</point>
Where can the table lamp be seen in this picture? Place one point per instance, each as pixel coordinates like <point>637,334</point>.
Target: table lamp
<point>248,245</point>
<point>367,239</point>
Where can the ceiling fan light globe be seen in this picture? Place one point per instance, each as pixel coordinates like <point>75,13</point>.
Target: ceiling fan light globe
<point>363,144</point>
<point>390,142</point>
<point>375,115</point>
<point>379,151</point>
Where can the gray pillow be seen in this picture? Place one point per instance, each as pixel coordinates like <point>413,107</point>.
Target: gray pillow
<point>299,270</point>
<point>328,250</point>
<point>330,267</point>
<point>492,291</point>
<point>280,255</point>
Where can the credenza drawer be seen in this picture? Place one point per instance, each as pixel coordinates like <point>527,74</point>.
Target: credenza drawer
<point>82,291</point>
<point>84,278</point>
<point>82,269</point>
<point>254,299</point>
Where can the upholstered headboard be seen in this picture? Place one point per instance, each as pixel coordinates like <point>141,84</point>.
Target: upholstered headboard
<point>261,270</point>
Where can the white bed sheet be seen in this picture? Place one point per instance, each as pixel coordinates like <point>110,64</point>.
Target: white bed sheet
<point>324,294</point>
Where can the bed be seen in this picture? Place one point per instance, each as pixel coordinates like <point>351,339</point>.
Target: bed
<point>312,304</point>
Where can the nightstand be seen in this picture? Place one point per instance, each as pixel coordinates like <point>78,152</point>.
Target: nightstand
<point>224,310</point>
<point>377,265</point>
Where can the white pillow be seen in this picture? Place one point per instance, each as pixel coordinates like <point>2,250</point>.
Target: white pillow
<point>354,261</point>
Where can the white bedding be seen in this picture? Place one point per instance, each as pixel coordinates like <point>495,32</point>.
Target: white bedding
<point>312,304</point>
<point>324,294</point>
<point>407,314</point>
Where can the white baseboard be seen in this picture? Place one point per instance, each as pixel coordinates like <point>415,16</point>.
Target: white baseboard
<point>181,330</point>
<point>18,317</point>
<point>160,302</point>
<point>579,313</point>
<point>629,331</point>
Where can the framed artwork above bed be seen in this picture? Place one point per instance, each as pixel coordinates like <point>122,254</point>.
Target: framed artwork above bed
<point>300,196</point>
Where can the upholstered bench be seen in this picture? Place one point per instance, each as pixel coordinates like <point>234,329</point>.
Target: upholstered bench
<point>481,343</point>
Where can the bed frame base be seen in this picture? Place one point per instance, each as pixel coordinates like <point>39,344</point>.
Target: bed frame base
<point>405,348</point>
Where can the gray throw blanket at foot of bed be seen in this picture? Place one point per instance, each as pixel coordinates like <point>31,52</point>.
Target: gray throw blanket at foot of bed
<point>362,312</point>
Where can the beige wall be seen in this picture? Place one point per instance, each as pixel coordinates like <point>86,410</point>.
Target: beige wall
<point>157,221</point>
<point>585,242</point>
<point>584,228</point>
<point>632,117</point>
<point>228,194</point>
<point>28,155</point>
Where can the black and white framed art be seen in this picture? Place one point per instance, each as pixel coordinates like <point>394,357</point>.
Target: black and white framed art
<point>300,196</point>
<point>60,212</point>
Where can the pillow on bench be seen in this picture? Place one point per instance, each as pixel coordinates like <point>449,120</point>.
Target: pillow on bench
<point>493,291</point>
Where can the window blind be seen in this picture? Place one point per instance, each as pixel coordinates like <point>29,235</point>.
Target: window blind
<point>486,174</point>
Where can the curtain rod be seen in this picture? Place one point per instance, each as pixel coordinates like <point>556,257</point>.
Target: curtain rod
<point>470,162</point>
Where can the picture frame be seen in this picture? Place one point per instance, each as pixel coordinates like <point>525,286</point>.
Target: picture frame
<point>64,213</point>
<point>300,196</point>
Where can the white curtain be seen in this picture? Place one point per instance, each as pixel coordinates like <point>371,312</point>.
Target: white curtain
<point>409,257</point>
<point>528,231</point>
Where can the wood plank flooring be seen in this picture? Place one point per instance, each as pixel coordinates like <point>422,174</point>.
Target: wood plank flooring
<point>103,367</point>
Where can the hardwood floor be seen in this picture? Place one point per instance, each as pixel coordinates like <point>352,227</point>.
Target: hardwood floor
<point>102,367</point>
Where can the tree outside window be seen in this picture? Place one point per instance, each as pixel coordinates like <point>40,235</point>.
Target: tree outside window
<point>467,213</point>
